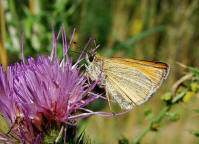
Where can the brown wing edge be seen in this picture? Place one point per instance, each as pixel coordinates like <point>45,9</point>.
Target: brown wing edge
<point>144,62</point>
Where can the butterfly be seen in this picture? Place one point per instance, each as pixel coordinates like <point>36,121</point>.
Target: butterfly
<point>130,82</point>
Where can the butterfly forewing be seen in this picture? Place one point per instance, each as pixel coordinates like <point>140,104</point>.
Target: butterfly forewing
<point>130,82</point>
<point>134,80</point>
<point>157,71</point>
<point>134,85</point>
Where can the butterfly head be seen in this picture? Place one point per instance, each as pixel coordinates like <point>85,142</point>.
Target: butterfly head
<point>90,56</point>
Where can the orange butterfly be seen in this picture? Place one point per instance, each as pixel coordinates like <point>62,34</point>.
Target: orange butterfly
<point>130,82</point>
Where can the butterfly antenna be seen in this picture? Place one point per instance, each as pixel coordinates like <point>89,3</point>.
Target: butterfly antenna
<point>96,46</point>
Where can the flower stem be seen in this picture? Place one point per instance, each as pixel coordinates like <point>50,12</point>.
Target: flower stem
<point>156,120</point>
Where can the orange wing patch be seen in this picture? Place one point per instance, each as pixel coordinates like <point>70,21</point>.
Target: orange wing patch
<point>157,71</point>
<point>146,63</point>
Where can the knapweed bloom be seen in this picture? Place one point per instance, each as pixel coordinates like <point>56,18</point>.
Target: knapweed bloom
<point>42,93</point>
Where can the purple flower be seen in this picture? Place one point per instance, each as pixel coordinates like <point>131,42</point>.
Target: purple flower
<point>42,92</point>
<point>36,92</point>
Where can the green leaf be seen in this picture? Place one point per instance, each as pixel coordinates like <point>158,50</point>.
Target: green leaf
<point>143,34</point>
<point>173,116</point>
<point>197,110</point>
<point>128,45</point>
<point>195,132</point>
<point>178,97</point>
<point>149,114</point>
<point>195,71</point>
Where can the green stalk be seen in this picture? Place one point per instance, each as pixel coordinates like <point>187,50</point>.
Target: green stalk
<point>156,120</point>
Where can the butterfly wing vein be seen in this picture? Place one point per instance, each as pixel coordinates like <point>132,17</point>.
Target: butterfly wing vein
<point>131,85</point>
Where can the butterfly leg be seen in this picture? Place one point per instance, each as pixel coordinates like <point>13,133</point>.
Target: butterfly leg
<point>87,75</point>
<point>88,79</point>
<point>108,98</point>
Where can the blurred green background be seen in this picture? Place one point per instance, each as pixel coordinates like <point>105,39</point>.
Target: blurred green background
<point>159,30</point>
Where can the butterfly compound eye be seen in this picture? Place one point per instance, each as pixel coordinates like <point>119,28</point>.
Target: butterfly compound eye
<point>90,56</point>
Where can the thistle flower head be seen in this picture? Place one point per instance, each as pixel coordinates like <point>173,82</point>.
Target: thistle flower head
<point>34,93</point>
<point>42,93</point>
